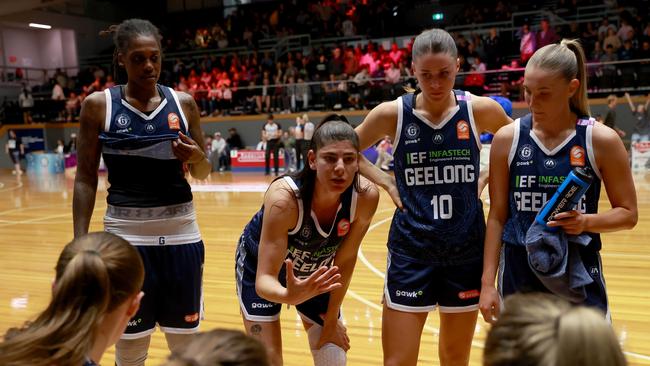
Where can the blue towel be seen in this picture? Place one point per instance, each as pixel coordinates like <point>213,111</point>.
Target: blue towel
<point>555,259</point>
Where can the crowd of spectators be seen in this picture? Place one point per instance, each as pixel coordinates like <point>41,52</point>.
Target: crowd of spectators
<point>358,75</point>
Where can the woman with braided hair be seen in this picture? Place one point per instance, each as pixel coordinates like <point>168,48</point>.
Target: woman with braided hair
<point>146,133</point>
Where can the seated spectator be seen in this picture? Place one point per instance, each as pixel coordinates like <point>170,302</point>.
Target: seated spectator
<point>72,106</point>
<point>262,144</point>
<point>234,141</point>
<point>543,330</point>
<point>57,92</point>
<point>612,40</point>
<point>218,157</point>
<point>220,347</point>
<point>95,292</point>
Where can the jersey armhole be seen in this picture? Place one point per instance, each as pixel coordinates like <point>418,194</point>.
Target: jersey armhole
<point>400,116</point>
<point>296,193</point>
<point>180,109</point>
<point>590,150</point>
<point>109,110</point>
<point>515,142</point>
<point>353,205</point>
<point>470,113</point>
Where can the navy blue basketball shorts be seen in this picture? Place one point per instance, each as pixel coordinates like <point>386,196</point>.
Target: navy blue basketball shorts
<point>257,309</point>
<point>415,287</point>
<point>515,275</point>
<point>173,255</point>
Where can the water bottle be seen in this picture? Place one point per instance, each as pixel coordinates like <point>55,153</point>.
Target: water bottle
<point>567,195</point>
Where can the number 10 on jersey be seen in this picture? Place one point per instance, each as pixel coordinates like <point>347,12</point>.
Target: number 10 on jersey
<point>442,207</point>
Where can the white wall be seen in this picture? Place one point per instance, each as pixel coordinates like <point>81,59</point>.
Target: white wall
<point>69,44</point>
<point>86,30</point>
<point>21,48</point>
<point>51,48</point>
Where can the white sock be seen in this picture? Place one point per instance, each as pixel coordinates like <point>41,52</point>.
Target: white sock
<point>328,355</point>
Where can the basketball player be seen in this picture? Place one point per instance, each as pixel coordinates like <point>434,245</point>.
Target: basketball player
<point>301,247</point>
<point>95,293</point>
<point>529,160</point>
<point>143,130</point>
<point>435,244</point>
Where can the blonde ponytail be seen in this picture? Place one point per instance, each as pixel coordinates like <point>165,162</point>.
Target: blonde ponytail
<point>94,275</point>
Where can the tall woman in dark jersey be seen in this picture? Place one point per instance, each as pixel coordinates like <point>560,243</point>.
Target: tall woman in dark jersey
<point>301,247</point>
<point>542,147</point>
<point>143,130</point>
<point>435,244</point>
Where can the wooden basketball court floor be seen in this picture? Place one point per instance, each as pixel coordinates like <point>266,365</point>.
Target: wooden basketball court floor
<point>36,221</point>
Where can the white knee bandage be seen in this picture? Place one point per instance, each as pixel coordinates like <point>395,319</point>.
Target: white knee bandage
<point>175,340</point>
<point>330,354</point>
<point>132,352</point>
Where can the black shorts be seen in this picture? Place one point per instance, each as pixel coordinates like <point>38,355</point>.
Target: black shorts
<point>170,245</point>
<point>416,287</point>
<point>173,297</point>
<point>256,308</point>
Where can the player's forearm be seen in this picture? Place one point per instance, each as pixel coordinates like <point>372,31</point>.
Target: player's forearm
<point>491,252</point>
<point>268,287</point>
<point>83,203</point>
<point>201,169</point>
<point>346,268</point>
<point>618,218</point>
<point>372,172</point>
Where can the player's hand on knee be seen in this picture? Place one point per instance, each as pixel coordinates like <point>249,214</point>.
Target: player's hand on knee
<point>324,279</point>
<point>335,333</point>
<point>489,304</point>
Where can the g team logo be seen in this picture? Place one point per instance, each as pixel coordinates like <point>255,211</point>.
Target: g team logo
<point>577,156</point>
<point>438,138</point>
<point>173,121</point>
<point>306,232</point>
<point>462,130</point>
<point>122,120</point>
<point>343,227</point>
<point>412,131</point>
<point>150,128</point>
<point>549,163</point>
<point>526,152</point>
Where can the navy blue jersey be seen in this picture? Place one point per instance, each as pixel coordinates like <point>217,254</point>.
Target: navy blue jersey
<point>309,245</point>
<point>437,171</point>
<point>142,169</point>
<point>536,172</point>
